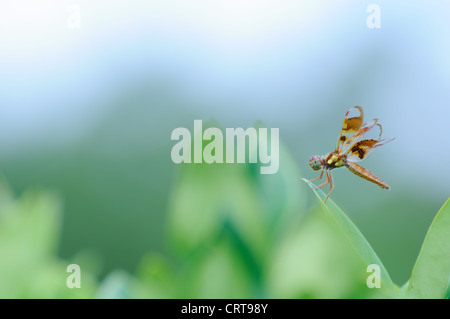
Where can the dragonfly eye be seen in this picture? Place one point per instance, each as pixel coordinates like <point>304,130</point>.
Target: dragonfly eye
<point>315,162</point>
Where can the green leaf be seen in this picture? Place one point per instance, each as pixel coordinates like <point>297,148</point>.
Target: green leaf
<point>313,259</point>
<point>403,290</point>
<point>447,291</point>
<point>430,275</point>
<point>205,196</point>
<point>359,243</point>
<point>29,234</point>
<point>218,272</point>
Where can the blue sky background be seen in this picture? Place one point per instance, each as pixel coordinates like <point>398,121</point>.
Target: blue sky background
<point>288,64</point>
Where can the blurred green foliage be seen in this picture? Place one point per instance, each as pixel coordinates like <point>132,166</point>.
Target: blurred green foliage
<point>117,183</point>
<point>236,234</point>
<point>231,233</point>
<point>29,231</point>
<point>431,274</point>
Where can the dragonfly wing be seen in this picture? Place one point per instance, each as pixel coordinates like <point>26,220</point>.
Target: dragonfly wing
<point>352,123</point>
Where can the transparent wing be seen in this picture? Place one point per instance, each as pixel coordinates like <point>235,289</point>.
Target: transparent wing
<point>363,144</point>
<point>369,131</point>
<point>352,123</point>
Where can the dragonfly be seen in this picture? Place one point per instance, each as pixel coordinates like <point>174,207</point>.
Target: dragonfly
<point>355,143</point>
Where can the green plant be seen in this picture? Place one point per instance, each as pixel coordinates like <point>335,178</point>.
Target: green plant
<point>29,233</point>
<point>231,233</point>
<point>236,234</point>
<point>431,274</point>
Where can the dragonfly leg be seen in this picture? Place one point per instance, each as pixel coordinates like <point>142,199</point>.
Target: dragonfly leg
<point>320,176</point>
<point>330,177</point>
<point>324,183</point>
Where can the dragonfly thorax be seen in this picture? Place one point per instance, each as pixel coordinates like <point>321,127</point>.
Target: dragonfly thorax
<point>334,160</point>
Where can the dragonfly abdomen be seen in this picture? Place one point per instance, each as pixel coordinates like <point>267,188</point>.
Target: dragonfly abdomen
<point>366,174</point>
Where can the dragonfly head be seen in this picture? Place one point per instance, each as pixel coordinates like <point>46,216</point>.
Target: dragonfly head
<point>315,162</point>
